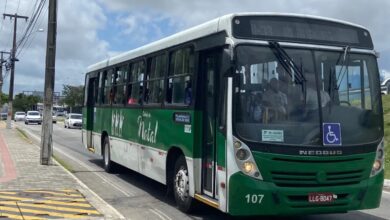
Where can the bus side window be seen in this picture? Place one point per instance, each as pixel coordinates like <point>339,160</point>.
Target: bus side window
<point>120,85</point>
<point>154,83</point>
<point>181,69</point>
<point>134,87</point>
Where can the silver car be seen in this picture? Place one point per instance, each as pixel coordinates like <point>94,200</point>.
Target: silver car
<point>19,116</point>
<point>73,120</point>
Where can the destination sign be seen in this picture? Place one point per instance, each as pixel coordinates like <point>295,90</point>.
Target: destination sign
<point>300,30</point>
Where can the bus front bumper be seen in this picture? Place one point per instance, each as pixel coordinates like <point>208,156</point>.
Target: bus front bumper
<point>248,197</point>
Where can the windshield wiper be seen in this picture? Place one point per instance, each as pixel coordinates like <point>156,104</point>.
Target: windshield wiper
<point>287,63</point>
<point>344,63</point>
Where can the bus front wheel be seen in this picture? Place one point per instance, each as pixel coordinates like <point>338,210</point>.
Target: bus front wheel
<point>108,166</point>
<point>181,186</point>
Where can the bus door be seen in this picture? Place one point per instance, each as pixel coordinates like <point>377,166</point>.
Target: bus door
<point>92,97</point>
<point>209,64</point>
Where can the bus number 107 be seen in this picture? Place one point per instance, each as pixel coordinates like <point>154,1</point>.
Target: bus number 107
<point>254,198</point>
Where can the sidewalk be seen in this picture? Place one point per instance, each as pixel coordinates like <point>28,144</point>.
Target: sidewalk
<point>29,190</point>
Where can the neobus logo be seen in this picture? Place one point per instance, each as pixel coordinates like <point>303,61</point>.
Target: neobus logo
<point>321,152</point>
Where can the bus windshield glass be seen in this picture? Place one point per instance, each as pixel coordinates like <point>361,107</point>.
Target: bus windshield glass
<point>284,96</point>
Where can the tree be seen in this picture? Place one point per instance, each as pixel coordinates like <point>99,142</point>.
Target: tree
<point>24,103</point>
<point>73,95</point>
<point>3,98</point>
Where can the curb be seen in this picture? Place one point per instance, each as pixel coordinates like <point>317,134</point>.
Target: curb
<point>110,212</point>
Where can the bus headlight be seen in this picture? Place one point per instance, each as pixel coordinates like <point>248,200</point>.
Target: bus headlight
<point>248,167</point>
<point>245,160</point>
<point>378,164</point>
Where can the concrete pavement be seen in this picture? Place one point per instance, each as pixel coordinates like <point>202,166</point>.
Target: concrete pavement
<point>29,190</point>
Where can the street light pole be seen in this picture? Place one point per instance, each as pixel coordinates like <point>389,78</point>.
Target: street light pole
<point>47,123</point>
<point>13,59</point>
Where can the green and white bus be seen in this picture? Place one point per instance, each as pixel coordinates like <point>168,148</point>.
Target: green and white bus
<point>250,113</point>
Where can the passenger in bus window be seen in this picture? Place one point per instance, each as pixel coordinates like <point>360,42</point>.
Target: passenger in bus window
<point>275,100</point>
<point>188,93</point>
<point>311,94</point>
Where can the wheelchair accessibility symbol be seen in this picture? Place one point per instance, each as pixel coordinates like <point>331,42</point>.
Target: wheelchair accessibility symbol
<point>331,134</point>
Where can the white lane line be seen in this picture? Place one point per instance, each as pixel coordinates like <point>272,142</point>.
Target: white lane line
<point>162,213</point>
<point>158,214</point>
<point>89,168</point>
<point>386,192</point>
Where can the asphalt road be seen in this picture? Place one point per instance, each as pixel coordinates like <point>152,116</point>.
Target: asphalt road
<point>138,197</point>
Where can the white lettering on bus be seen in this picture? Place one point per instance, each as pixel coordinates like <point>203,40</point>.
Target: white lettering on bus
<point>145,132</point>
<point>117,123</point>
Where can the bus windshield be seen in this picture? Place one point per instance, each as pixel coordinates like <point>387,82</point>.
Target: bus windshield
<point>286,96</point>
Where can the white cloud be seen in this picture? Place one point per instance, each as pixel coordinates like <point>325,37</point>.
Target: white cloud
<point>78,44</point>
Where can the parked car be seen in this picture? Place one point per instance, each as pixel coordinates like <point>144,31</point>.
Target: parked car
<point>73,120</point>
<point>19,116</point>
<point>4,115</point>
<point>33,117</point>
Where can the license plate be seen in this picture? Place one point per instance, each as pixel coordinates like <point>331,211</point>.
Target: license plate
<point>321,197</point>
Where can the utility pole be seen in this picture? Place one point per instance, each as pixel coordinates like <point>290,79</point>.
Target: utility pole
<point>13,59</point>
<point>47,124</point>
<point>1,70</point>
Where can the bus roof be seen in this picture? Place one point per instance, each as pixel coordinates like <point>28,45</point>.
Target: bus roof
<point>216,25</point>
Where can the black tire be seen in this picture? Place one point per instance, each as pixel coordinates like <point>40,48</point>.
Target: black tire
<point>39,123</point>
<point>108,164</point>
<point>64,125</point>
<point>26,122</point>
<point>181,186</point>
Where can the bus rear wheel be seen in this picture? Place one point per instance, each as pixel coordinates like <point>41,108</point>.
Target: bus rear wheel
<point>108,164</point>
<point>181,186</point>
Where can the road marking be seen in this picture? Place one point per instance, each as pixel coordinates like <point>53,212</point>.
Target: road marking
<point>32,205</point>
<point>40,212</point>
<point>158,214</point>
<point>14,198</point>
<point>24,217</point>
<point>386,192</point>
<point>65,199</point>
<point>162,213</point>
<point>55,193</point>
<point>9,193</point>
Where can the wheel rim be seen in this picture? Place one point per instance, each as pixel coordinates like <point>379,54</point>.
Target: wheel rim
<point>106,154</point>
<point>182,183</point>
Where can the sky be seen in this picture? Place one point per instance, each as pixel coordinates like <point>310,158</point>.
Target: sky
<point>89,31</point>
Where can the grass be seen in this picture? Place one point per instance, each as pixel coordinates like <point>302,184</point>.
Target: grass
<point>23,134</point>
<point>386,112</point>
<point>63,163</point>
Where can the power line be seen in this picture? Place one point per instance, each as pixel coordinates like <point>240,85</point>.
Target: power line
<point>29,39</point>
<point>2,21</point>
<point>31,26</point>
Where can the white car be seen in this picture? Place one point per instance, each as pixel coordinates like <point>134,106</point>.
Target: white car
<point>73,120</point>
<point>33,117</point>
<point>385,86</point>
<point>19,116</point>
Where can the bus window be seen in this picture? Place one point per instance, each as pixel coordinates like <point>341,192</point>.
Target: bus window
<point>108,89</point>
<point>155,79</point>
<point>181,68</point>
<point>120,84</point>
<point>135,85</point>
